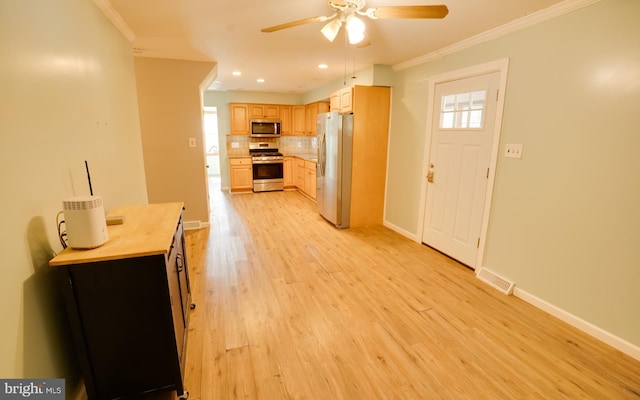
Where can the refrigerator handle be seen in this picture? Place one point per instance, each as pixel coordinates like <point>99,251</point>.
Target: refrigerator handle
<point>323,153</point>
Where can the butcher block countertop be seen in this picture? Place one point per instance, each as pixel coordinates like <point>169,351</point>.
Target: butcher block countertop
<point>147,230</point>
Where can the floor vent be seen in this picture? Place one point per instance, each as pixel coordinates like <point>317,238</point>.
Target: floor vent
<point>192,225</point>
<point>494,280</point>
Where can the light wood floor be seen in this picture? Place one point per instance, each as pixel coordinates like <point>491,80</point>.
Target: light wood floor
<point>289,307</point>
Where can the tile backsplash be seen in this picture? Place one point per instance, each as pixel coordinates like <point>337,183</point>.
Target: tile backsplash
<point>298,144</point>
<point>239,145</point>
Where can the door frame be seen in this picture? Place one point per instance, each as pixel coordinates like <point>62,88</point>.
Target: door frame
<point>502,67</point>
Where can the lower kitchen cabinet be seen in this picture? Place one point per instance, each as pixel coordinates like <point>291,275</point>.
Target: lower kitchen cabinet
<point>305,176</point>
<point>128,302</point>
<point>240,174</point>
<point>310,179</point>
<point>289,175</point>
<point>300,173</point>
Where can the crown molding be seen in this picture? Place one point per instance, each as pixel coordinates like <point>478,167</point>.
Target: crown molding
<point>535,18</point>
<point>115,18</point>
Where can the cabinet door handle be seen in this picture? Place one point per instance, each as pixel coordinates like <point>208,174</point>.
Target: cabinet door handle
<point>179,263</point>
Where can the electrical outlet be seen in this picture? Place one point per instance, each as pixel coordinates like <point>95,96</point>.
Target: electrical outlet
<point>299,144</point>
<point>235,145</point>
<point>513,151</point>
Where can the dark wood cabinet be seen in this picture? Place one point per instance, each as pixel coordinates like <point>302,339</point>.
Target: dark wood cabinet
<point>128,304</point>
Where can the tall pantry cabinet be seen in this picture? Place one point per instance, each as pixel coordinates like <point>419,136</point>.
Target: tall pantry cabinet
<point>370,106</point>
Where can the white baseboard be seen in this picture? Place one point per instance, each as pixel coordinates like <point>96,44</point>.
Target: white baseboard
<point>590,329</point>
<point>586,327</point>
<point>401,231</point>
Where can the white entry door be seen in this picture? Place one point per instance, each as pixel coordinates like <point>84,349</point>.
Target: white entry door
<point>462,134</point>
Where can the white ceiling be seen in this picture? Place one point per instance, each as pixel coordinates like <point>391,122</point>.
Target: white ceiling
<point>228,33</point>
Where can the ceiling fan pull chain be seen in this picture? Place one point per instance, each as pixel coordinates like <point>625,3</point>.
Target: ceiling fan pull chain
<point>344,81</point>
<point>354,63</point>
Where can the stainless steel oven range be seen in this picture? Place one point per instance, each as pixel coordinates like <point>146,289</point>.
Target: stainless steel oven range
<point>268,168</point>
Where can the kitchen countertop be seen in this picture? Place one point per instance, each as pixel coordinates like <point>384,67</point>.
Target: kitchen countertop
<point>313,157</point>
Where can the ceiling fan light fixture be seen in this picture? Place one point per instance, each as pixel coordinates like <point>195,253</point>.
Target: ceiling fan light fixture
<point>355,29</point>
<point>330,30</point>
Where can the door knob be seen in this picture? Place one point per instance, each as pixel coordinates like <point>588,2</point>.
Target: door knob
<point>430,174</point>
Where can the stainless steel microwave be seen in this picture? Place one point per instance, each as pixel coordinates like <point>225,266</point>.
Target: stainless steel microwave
<point>265,127</point>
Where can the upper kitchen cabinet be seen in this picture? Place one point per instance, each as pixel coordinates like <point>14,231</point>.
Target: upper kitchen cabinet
<point>286,126</point>
<point>239,119</point>
<point>257,111</point>
<point>342,100</point>
<point>298,121</point>
<point>311,114</point>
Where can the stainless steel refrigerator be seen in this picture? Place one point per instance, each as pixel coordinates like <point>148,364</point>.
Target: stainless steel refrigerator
<point>335,140</point>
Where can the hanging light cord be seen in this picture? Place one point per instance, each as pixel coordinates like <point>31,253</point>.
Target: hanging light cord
<point>345,60</point>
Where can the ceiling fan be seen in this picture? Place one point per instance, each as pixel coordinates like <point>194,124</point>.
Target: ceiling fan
<point>345,12</point>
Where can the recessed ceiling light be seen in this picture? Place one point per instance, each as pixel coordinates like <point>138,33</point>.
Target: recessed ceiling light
<point>236,73</point>
<point>260,80</point>
<point>323,66</point>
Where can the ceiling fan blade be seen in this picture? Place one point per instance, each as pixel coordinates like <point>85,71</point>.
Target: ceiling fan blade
<point>293,23</point>
<point>438,11</point>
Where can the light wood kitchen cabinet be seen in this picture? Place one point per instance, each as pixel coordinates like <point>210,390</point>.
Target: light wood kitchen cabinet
<point>239,119</point>
<point>298,120</point>
<point>371,106</point>
<point>305,176</point>
<point>311,115</point>
<point>285,120</point>
<point>334,101</point>
<point>342,100</point>
<point>128,304</point>
<point>240,174</point>
<point>289,174</point>
<point>300,173</point>
<point>310,179</point>
<point>257,111</point>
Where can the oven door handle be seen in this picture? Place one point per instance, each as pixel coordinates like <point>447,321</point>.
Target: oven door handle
<point>268,162</point>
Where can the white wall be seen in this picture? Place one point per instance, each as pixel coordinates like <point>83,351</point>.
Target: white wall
<point>565,218</point>
<point>170,118</point>
<point>67,95</point>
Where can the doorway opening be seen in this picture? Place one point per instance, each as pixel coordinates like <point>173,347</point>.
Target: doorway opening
<point>212,149</point>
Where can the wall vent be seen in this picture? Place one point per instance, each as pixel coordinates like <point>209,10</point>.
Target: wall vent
<point>494,280</point>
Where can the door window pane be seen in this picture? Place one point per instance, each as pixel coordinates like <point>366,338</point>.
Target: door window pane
<point>463,110</point>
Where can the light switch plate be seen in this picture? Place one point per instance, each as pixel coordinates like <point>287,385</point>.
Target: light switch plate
<point>235,145</point>
<point>192,142</point>
<point>513,151</point>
